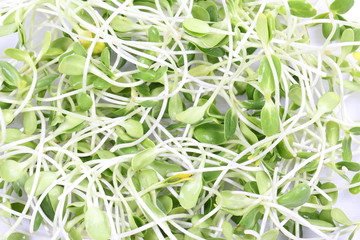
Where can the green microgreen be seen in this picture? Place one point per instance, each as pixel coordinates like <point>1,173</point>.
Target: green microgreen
<point>162,119</point>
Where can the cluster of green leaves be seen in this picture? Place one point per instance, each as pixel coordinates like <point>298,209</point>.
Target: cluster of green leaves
<point>156,120</point>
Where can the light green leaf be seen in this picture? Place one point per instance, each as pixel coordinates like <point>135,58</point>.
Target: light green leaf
<point>269,114</point>
<point>144,158</point>
<point>327,102</point>
<point>270,235</point>
<point>341,6</point>
<point>339,216</point>
<point>72,65</point>
<point>97,224</point>
<point>133,128</point>
<point>190,192</point>
<point>191,115</point>
<point>8,29</point>
<point>297,196</point>
<point>30,122</point>
<point>261,28</point>
<point>196,26</point>
<point>300,8</point>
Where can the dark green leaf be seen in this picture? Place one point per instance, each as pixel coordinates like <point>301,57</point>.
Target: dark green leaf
<point>47,208</point>
<point>355,130</point>
<point>214,52</point>
<point>230,123</point>
<point>211,133</point>
<point>351,166</point>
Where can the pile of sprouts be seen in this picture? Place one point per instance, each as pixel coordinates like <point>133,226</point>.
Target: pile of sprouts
<point>178,119</point>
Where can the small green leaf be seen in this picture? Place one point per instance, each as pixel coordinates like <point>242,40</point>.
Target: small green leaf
<point>270,235</point>
<point>11,171</point>
<point>267,76</point>
<point>249,135</point>
<point>48,208</point>
<point>261,28</point>
<point>10,74</point>
<point>45,180</point>
<point>269,114</point>
<point>100,83</point>
<point>84,101</point>
<point>300,8</point>
<point>321,223</point>
<point>122,24</point>
<point>72,65</point>
<point>295,94</point>
<point>45,45</point>
<point>211,8</point>
<point>37,222</point>
<point>253,104</point>
<point>18,54</point>
<point>213,52</point>
<point>8,29</point>
<point>211,133</point>
<point>351,166</point>
<point>227,230</point>
<point>69,123</point>
<point>18,236</point>
<point>211,41</point>
<point>333,194</point>
<point>133,128</point>
<point>283,149</point>
<point>339,216</point>
<point>355,130</point>
<point>30,122</point>
<point>46,80</point>
<point>346,148</point>
<point>144,158</point>
<point>201,70</point>
<point>175,106</point>
<point>3,211</point>
<point>230,200</point>
<point>271,25</point>
<point>75,234</point>
<point>249,220</point>
<point>355,179</point>
<point>147,178</point>
<point>347,36</point>
<point>200,13</point>
<point>327,29</point>
<point>97,224</point>
<point>190,192</point>
<point>296,197</point>
<point>341,6</point>
<point>153,34</point>
<point>196,27</point>
<point>105,57</point>
<point>191,115</point>
<point>327,102</point>
<point>332,133</point>
<point>230,123</point>
<point>164,168</point>
<point>325,215</point>
<point>263,182</point>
